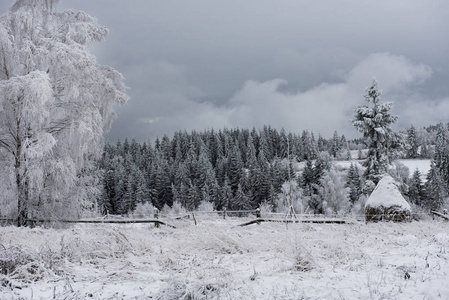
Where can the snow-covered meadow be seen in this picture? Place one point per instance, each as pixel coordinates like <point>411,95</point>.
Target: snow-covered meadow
<point>216,259</point>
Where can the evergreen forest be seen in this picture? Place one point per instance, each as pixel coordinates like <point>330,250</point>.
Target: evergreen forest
<point>240,169</point>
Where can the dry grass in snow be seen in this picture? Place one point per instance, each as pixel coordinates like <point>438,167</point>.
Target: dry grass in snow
<point>216,260</point>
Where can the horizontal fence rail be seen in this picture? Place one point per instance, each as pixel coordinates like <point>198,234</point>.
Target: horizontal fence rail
<point>256,214</point>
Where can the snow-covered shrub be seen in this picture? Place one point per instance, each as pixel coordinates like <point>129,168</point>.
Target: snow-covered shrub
<point>184,290</point>
<point>265,209</point>
<point>11,259</point>
<point>333,193</point>
<point>420,213</point>
<point>358,208</point>
<point>302,258</point>
<point>22,263</point>
<point>176,209</point>
<point>206,206</point>
<point>291,193</point>
<point>143,210</point>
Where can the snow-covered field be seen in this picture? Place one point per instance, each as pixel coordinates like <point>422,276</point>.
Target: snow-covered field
<point>423,165</point>
<point>217,260</point>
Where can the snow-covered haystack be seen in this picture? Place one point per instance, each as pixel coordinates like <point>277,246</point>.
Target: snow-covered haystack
<point>386,203</point>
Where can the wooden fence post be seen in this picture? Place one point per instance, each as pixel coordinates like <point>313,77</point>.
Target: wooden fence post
<point>156,216</point>
<point>258,215</point>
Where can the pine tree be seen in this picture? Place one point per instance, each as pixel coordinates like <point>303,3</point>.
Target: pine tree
<point>412,143</point>
<point>436,188</point>
<point>307,177</point>
<point>310,181</point>
<point>322,143</point>
<point>193,197</point>
<point>240,201</point>
<point>283,145</point>
<point>441,156</point>
<point>359,152</point>
<point>374,122</point>
<point>251,158</point>
<point>336,146</point>
<point>259,183</point>
<point>235,167</point>
<point>416,189</point>
<point>309,146</point>
<point>226,196</point>
<point>354,183</point>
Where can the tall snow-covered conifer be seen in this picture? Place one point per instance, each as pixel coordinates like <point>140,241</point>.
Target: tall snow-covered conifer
<point>55,104</point>
<point>374,122</point>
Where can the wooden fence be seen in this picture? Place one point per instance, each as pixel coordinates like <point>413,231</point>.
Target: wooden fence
<point>258,219</point>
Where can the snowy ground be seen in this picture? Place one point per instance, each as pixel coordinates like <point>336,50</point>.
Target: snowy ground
<point>216,260</point>
<point>423,165</point>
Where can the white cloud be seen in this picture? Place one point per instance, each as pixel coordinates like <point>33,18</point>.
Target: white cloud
<point>321,109</point>
<point>326,107</point>
<point>394,72</point>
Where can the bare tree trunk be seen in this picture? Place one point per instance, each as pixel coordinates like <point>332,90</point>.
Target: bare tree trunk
<point>22,199</point>
<point>22,185</point>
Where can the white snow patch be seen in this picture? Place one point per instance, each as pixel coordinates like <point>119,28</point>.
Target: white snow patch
<point>423,165</point>
<point>346,164</point>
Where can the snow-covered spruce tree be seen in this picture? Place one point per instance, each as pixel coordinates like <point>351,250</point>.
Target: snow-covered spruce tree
<point>412,143</point>
<point>55,104</point>
<point>374,122</point>
<point>416,191</point>
<point>336,145</point>
<point>354,183</point>
<point>436,188</point>
<point>441,156</point>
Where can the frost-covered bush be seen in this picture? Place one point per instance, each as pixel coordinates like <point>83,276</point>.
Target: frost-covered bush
<point>265,209</point>
<point>176,209</point>
<point>420,213</point>
<point>143,210</point>
<point>184,290</point>
<point>333,193</point>
<point>302,258</point>
<point>291,193</point>
<point>358,208</point>
<point>206,206</point>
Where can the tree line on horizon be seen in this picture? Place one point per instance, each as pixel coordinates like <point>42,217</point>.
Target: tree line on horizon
<point>237,169</point>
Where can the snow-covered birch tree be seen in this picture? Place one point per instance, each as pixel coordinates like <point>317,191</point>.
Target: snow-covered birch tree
<point>55,104</point>
<point>375,124</point>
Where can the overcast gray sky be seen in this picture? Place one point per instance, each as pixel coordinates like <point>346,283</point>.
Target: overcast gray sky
<point>290,63</point>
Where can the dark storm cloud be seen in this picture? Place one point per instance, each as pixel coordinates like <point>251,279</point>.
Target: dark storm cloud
<point>292,64</point>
